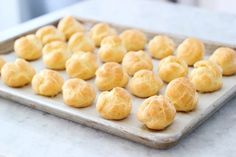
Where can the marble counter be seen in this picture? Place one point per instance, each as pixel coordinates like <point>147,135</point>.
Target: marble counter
<point>28,132</point>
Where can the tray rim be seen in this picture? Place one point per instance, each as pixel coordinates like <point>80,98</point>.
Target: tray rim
<point>161,143</point>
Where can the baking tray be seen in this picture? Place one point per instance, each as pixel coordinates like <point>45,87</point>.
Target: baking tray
<point>128,128</point>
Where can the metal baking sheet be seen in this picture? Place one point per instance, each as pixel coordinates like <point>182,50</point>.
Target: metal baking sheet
<point>128,128</point>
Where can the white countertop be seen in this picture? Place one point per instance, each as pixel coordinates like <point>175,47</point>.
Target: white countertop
<point>28,132</point>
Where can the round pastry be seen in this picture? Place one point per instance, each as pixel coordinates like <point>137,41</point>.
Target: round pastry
<point>206,76</point>
<point>156,112</point>
<point>50,33</point>
<point>55,55</point>
<point>161,46</point>
<point>226,58</point>
<point>133,39</point>
<point>171,68</point>
<point>112,49</point>
<point>83,66</point>
<point>182,94</point>
<point>100,31</point>
<point>110,75</point>
<point>144,83</point>
<point>78,93</point>
<point>69,26</point>
<point>28,47</point>
<point>81,42</point>
<point>191,50</point>
<point>135,61</point>
<point>2,62</point>
<point>18,73</point>
<point>47,83</point>
<point>115,104</point>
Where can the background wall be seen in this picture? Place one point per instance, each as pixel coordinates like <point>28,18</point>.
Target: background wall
<point>227,6</point>
<point>9,13</point>
<point>13,12</point>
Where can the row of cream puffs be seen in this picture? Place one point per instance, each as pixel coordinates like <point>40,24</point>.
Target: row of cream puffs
<point>57,56</point>
<point>190,50</point>
<point>156,112</point>
<point>143,84</point>
<point>112,48</point>
<point>206,75</point>
<point>108,76</point>
<point>181,92</point>
<point>114,105</point>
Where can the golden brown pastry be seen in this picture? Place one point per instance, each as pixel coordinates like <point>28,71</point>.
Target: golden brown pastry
<point>78,93</point>
<point>161,46</point>
<point>182,94</point>
<point>83,66</point>
<point>191,50</point>
<point>133,39</point>
<point>156,112</point>
<point>47,83</point>
<point>112,49</point>
<point>226,58</point>
<point>55,55</point>
<point>206,76</point>
<point>18,73</point>
<point>115,104</point>
<point>171,67</point>
<point>81,42</point>
<point>144,83</point>
<point>49,33</point>
<point>2,62</point>
<point>28,47</point>
<point>69,26</point>
<point>110,75</point>
<point>100,31</point>
<point>135,61</point>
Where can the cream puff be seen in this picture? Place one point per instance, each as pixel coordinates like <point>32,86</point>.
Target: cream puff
<point>2,62</point>
<point>182,94</point>
<point>156,112</point>
<point>133,39</point>
<point>83,66</point>
<point>69,26</point>
<point>206,76</point>
<point>144,83</point>
<point>18,73</point>
<point>191,50</point>
<point>135,61</point>
<point>171,67</point>
<point>78,93</point>
<point>81,42</point>
<point>47,83</point>
<point>49,33</point>
<point>110,75</point>
<point>55,55</point>
<point>28,47</point>
<point>226,58</point>
<point>112,49</point>
<point>100,31</point>
<point>161,46</point>
<point>115,104</point>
